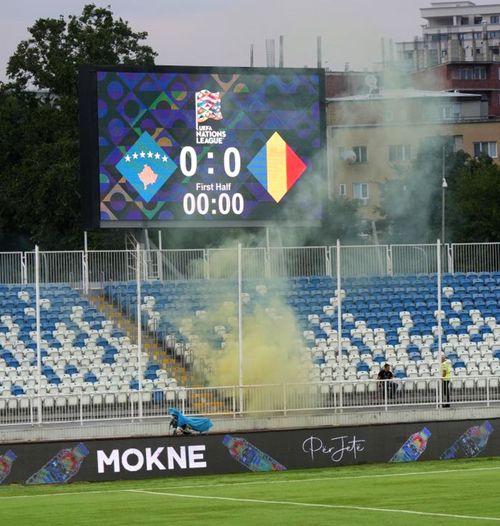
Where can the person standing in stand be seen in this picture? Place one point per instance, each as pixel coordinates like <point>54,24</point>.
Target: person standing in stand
<point>446,369</point>
<point>385,374</point>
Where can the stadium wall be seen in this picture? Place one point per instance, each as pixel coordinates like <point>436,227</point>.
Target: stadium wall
<point>157,457</point>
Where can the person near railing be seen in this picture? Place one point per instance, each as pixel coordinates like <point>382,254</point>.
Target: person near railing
<point>385,376</point>
<point>446,369</point>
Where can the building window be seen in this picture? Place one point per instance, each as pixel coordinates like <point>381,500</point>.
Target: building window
<point>494,19</point>
<point>476,73</point>
<point>493,34</point>
<point>464,21</point>
<point>432,57</point>
<point>488,148</point>
<point>342,190</point>
<point>443,37</point>
<point>361,153</point>
<point>451,112</point>
<point>399,152</point>
<point>478,20</point>
<point>458,143</point>
<point>356,154</point>
<point>360,191</point>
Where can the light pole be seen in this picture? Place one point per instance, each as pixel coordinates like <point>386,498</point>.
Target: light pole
<point>444,186</point>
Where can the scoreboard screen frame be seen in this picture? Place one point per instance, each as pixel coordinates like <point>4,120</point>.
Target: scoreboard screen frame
<point>284,173</point>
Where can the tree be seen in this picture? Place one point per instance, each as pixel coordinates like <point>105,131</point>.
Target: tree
<point>16,132</point>
<point>49,60</point>
<point>411,202</point>
<point>39,129</point>
<point>474,203</point>
<point>341,220</point>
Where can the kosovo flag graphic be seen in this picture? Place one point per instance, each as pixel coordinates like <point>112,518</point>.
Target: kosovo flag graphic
<point>146,167</point>
<point>277,167</point>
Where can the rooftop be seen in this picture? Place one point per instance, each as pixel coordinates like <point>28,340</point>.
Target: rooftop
<point>408,93</point>
<point>453,4</point>
<point>440,8</point>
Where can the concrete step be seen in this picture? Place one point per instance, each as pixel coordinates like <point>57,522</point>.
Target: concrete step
<point>148,344</point>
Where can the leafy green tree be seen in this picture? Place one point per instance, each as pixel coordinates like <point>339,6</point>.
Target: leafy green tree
<point>39,132</point>
<point>341,220</point>
<point>49,60</point>
<point>474,203</point>
<point>411,203</point>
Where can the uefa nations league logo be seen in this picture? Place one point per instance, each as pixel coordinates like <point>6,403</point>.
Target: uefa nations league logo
<point>208,106</point>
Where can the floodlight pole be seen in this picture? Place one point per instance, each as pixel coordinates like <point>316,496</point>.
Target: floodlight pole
<point>444,186</point>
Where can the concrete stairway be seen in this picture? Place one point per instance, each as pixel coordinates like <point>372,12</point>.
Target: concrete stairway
<point>149,344</point>
<point>199,401</point>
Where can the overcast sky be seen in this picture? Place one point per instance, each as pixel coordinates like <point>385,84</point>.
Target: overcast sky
<point>219,32</point>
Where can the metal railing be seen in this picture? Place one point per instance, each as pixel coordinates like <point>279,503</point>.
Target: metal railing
<point>278,399</point>
<point>94,268</point>
<point>475,257</point>
<point>12,268</point>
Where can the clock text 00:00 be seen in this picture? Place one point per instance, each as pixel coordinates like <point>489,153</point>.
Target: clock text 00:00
<point>225,204</point>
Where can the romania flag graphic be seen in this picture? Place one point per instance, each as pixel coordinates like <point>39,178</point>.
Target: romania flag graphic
<point>277,167</point>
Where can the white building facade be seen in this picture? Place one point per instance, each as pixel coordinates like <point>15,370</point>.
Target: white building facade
<point>454,32</point>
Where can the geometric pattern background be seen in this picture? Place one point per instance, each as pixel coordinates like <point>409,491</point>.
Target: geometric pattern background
<point>162,105</point>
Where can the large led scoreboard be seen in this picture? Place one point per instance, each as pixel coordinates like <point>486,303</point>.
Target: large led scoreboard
<point>199,146</point>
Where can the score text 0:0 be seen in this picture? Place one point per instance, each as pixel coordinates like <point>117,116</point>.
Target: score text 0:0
<point>188,162</point>
<point>225,204</point>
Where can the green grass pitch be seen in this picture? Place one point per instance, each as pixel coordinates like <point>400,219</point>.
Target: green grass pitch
<point>424,493</point>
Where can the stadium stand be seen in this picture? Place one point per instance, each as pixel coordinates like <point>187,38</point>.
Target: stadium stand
<point>86,360</point>
<point>384,319</point>
<point>82,352</point>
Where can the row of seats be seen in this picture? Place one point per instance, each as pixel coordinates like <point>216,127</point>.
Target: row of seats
<point>392,320</point>
<point>79,347</point>
<point>384,319</point>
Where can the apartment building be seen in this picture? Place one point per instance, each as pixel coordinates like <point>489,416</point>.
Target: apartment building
<point>453,32</point>
<point>371,135</point>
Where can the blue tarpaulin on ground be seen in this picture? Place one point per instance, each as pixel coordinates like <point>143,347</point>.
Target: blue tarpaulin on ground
<point>196,423</point>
